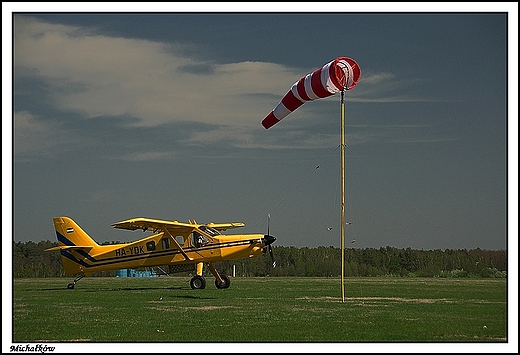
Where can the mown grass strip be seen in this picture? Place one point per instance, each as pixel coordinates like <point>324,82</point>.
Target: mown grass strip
<point>277,309</point>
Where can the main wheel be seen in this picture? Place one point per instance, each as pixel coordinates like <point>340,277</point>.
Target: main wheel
<point>70,286</point>
<point>224,284</point>
<point>198,282</point>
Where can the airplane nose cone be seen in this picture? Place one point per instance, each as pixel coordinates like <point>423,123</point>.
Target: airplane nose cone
<point>268,239</point>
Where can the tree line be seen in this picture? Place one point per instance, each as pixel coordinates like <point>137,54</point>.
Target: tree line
<point>30,260</point>
<point>385,261</point>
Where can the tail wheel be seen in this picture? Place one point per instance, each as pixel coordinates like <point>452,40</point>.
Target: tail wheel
<point>198,282</point>
<point>224,284</point>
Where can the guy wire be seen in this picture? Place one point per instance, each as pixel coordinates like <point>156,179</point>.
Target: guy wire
<point>297,186</point>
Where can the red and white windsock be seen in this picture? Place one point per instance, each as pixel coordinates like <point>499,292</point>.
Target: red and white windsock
<point>343,73</point>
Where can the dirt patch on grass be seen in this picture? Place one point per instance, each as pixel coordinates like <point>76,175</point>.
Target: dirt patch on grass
<point>378,299</point>
<point>324,298</point>
<point>186,309</point>
<point>206,308</point>
<point>400,299</point>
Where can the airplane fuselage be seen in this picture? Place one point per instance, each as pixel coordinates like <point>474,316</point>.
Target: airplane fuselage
<point>158,249</point>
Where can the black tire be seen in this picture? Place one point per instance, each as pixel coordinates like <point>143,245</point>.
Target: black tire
<point>225,284</point>
<point>198,283</point>
<point>70,286</point>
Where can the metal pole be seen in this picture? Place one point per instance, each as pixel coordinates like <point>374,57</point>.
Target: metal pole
<point>342,196</point>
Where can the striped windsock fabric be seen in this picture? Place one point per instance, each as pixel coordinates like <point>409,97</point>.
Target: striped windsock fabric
<point>342,73</point>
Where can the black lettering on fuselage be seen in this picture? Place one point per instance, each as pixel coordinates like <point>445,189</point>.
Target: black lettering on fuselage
<point>136,250</point>
<point>120,252</point>
<point>130,251</point>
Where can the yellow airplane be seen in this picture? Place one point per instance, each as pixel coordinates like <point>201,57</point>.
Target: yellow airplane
<point>176,244</point>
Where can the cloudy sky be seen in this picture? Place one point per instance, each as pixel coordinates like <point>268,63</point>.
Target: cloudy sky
<point>158,115</point>
<point>115,116</point>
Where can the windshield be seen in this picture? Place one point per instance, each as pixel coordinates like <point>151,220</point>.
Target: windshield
<point>211,231</point>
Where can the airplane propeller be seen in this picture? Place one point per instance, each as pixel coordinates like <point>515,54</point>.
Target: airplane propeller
<point>272,256</point>
<point>268,240</point>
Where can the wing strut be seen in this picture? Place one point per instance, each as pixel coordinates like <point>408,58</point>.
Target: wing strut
<point>178,245</point>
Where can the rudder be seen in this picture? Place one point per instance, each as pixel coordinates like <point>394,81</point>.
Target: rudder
<point>69,233</point>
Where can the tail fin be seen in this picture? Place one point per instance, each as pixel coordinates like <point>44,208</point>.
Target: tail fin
<point>70,234</point>
<point>73,243</point>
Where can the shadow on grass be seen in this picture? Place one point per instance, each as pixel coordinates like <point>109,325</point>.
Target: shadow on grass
<point>125,289</point>
<point>79,289</point>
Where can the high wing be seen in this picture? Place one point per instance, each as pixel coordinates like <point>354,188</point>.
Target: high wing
<point>161,225</point>
<point>224,226</point>
<point>155,225</point>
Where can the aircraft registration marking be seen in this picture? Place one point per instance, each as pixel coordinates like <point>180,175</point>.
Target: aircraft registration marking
<point>130,251</point>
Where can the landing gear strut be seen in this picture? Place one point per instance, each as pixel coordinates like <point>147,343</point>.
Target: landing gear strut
<point>198,282</point>
<point>221,280</point>
<point>71,285</point>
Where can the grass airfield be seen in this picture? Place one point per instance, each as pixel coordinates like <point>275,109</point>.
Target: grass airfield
<point>261,310</point>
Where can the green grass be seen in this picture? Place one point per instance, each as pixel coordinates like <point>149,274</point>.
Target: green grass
<point>281,309</point>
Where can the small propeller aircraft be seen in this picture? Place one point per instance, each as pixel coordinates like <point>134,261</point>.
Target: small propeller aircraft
<point>181,246</point>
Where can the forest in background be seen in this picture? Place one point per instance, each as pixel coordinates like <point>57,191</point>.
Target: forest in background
<point>30,260</point>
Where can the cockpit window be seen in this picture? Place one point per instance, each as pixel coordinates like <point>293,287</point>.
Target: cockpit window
<point>199,239</point>
<point>180,239</point>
